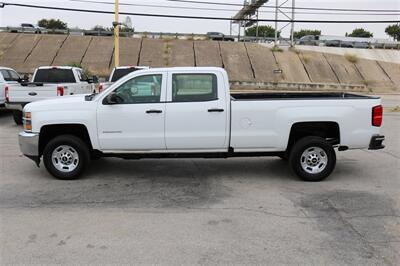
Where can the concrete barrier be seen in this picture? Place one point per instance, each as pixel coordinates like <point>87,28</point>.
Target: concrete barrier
<point>155,53</point>
<point>182,53</point>
<point>21,48</point>
<point>292,67</point>
<point>129,52</point>
<point>236,61</point>
<point>263,63</point>
<point>44,52</point>
<point>207,54</point>
<point>99,55</point>
<point>72,51</point>
<point>318,68</point>
<point>345,71</point>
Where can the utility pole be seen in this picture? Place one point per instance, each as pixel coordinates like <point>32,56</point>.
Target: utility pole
<point>292,28</point>
<point>276,21</point>
<point>116,34</point>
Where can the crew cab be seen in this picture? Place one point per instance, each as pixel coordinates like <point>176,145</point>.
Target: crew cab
<point>119,72</point>
<point>8,76</point>
<point>189,112</point>
<point>48,82</point>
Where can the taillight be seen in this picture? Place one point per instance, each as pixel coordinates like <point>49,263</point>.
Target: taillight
<point>100,88</point>
<point>7,94</point>
<point>60,91</point>
<point>377,115</point>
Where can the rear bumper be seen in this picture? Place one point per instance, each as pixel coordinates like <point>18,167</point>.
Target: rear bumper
<point>15,106</point>
<point>376,142</point>
<point>29,145</point>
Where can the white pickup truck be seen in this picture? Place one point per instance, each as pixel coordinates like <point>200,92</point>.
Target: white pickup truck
<point>118,73</point>
<point>189,112</point>
<point>48,82</point>
<point>8,76</point>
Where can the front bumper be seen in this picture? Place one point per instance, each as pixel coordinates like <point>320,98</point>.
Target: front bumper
<point>376,142</point>
<point>29,145</point>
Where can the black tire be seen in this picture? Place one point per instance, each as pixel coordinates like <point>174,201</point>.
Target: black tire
<point>78,145</point>
<point>308,143</point>
<point>17,115</point>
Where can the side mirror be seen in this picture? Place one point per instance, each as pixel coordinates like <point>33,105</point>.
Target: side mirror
<point>113,98</point>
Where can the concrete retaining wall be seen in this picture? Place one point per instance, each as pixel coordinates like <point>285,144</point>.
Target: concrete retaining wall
<point>99,55</point>
<point>72,51</point>
<point>246,63</point>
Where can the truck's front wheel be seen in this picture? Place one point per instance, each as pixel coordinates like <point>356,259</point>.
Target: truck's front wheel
<point>312,159</point>
<point>66,157</point>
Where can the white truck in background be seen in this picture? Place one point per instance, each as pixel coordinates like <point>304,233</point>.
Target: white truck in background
<point>189,112</point>
<point>118,73</point>
<point>8,77</point>
<point>48,82</point>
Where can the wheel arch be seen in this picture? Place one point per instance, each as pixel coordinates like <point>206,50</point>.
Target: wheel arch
<point>329,130</point>
<point>48,132</point>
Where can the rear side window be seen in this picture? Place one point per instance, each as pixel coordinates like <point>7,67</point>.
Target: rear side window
<point>194,87</point>
<point>55,76</point>
<point>119,73</point>
<point>9,75</point>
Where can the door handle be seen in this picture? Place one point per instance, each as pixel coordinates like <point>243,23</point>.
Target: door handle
<point>215,110</point>
<point>32,94</point>
<point>153,112</point>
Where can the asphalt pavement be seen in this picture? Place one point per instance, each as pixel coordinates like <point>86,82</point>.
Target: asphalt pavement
<point>203,211</point>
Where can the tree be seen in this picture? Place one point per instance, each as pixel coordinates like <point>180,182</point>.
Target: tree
<point>301,33</point>
<point>360,32</point>
<point>263,31</point>
<point>393,31</point>
<point>52,24</point>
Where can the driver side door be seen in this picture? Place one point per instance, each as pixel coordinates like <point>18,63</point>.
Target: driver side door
<point>136,122</point>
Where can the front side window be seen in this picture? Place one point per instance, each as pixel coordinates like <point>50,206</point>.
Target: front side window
<point>143,89</point>
<point>194,87</point>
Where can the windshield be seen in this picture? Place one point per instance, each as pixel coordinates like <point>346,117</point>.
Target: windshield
<point>55,75</point>
<point>119,73</point>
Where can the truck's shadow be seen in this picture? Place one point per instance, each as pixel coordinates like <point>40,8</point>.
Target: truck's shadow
<point>149,183</point>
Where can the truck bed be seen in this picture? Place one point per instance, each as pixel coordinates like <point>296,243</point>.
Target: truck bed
<point>298,96</point>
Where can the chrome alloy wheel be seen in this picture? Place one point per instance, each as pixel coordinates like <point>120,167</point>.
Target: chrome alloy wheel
<point>65,158</point>
<point>314,160</point>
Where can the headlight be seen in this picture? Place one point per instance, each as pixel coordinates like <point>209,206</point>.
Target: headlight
<point>27,120</point>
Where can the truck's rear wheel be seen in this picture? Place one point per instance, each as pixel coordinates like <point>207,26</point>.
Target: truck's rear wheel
<point>17,115</point>
<point>312,159</point>
<point>66,157</point>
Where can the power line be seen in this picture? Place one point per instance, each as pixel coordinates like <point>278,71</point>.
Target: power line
<point>225,9</point>
<point>197,17</point>
<point>282,7</point>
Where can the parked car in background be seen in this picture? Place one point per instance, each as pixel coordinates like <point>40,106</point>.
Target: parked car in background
<point>218,36</point>
<point>189,112</point>
<point>8,77</point>
<point>48,82</point>
<point>119,72</point>
<point>309,40</point>
<point>27,28</point>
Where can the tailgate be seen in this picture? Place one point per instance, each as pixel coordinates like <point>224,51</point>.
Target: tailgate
<point>25,94</point>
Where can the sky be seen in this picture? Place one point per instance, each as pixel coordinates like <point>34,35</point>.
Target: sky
<point>13,16</point>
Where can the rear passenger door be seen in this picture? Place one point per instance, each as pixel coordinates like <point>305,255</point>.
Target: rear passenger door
<point>197,112</point>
